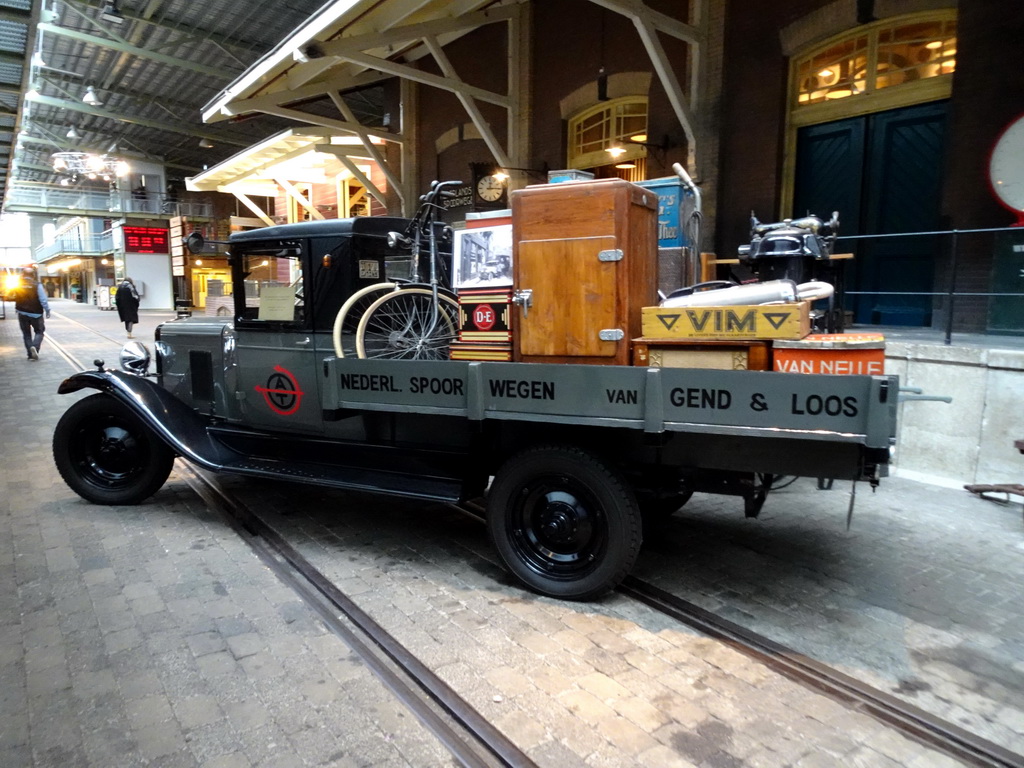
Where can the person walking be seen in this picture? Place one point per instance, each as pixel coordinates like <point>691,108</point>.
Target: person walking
<point>31,305</point>
<point>127,298</point>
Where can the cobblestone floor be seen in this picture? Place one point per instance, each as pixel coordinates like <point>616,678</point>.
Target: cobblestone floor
<point>152,636</point>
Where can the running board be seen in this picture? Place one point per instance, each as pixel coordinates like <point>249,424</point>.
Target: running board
<point>349,478</point>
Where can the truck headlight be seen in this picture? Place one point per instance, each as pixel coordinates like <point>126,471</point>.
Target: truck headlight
<point>135,358</point>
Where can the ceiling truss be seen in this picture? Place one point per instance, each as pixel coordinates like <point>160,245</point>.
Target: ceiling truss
<point>392,47</point>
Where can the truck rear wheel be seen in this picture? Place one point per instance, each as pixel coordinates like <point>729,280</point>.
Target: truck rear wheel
<point>107,455</point>
<point>564,522</point>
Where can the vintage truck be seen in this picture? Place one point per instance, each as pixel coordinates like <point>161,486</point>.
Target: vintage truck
<point>568,456</point>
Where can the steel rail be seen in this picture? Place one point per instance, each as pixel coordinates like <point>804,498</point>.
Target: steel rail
<point>469,737</point>
<point>922,726</point>
<point>472,740</point>
<point>914,722</point>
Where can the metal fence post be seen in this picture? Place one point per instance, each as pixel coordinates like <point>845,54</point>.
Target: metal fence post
<point>952,289</point>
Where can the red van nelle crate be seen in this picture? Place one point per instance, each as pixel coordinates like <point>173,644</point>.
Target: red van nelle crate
<point>838,353</point>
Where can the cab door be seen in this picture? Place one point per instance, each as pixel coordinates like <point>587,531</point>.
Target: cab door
<point>278,385</point>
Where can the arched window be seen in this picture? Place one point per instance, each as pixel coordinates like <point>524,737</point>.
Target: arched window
<point>608,126</point>
<point>900,60</point>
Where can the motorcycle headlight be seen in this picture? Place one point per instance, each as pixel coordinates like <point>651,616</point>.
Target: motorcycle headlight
<point>135,358</point>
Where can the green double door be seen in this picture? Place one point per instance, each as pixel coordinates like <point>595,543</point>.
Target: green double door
<point>883,173</point>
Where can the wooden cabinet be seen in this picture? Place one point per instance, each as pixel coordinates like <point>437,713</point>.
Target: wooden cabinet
<point>587,254</point>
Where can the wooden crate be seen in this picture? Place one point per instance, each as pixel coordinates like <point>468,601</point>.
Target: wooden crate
<point>690,353</point>
<point>588,253</point>
<point>749,322</point>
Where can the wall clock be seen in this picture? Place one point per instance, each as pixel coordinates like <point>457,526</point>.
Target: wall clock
<point>490,189</point>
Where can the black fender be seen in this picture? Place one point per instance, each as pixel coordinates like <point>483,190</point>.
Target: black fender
<point>176,424</point>
<point>193,437</point>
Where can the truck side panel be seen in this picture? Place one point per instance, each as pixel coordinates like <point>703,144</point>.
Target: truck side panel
<point>855,409</point>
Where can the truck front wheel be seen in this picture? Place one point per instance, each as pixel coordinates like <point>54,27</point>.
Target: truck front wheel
<point>564,522</point>
<point>107,455</point>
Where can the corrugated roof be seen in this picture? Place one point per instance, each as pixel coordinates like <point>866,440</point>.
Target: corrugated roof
<point>152,72</point>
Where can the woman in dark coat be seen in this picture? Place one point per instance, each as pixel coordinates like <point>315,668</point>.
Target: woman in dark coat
<point>127,299</point>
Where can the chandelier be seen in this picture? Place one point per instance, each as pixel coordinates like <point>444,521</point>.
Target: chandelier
<point>74,166</point>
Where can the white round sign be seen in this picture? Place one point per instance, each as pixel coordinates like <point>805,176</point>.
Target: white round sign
<point>1006,168</point>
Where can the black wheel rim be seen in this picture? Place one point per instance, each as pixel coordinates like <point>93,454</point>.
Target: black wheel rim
<point>108,451</point>
<point>558,528</point>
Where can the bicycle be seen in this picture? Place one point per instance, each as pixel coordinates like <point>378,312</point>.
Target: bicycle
<point>407,319</point>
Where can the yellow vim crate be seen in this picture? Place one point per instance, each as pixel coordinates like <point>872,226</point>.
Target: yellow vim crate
<point>769,321</point>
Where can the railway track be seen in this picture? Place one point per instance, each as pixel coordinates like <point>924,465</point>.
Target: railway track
<point>472,740</point>
<point>475,742</point>
<point>913,722</point>
<point>909,720</point>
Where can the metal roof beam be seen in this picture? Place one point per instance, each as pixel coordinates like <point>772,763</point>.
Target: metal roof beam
<point>35,167</point>
<point>192,33</point>
<point>188,130</point>
<point>132,50</point>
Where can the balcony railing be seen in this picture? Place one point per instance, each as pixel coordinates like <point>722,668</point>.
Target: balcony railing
<point>99,203</point>
<point>77,244</point>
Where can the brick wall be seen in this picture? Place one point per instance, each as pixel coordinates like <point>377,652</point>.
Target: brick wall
<point>988,92</point>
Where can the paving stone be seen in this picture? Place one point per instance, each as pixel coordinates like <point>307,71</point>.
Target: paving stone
<point>167,623</point>
<point>243,645</point>
<point>150,710</point>
<point>664,757</point>
<point>197,711</point>
<point>159,740</point>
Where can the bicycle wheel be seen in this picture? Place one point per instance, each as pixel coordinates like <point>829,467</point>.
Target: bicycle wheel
<point>401,325</point>
<point>347,320</point>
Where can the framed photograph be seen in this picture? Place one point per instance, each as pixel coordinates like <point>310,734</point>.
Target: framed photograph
<point>483,257</point>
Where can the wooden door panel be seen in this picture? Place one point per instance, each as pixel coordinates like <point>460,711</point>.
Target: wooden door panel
<point>883,173</point>
<point>574,297</point>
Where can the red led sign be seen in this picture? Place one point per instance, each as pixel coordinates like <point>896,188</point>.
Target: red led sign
<point>145,240</point>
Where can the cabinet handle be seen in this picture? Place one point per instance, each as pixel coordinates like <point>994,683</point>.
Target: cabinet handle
<point>524,299</point>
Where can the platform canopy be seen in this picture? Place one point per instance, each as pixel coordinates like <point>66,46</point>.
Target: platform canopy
<point>349,46</point>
